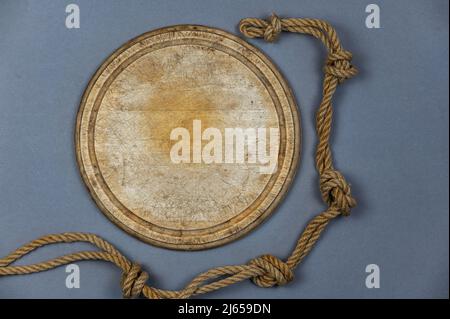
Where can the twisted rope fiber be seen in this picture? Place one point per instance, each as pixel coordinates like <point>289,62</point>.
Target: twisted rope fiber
<point>266,270</point>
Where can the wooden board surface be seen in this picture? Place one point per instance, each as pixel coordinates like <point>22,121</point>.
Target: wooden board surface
<point>189,78</point>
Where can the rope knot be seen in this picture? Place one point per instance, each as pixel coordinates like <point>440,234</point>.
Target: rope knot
<point>273,29</point>
<point>133,281</point>
<point>255,28</point>
<point>276,272</point>
<point>336,191</point>
<point>339,65</point>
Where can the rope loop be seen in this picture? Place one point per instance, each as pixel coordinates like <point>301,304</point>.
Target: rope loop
<point>252,28</point>
<point>133,281</point>
<point>257,28</point>
<point>336,191</point>
<point>276,272</point>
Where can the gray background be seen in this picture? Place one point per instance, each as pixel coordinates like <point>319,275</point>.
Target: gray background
<point>390,140</point>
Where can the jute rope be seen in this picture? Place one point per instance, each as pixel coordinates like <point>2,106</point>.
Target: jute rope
<point>266,270</point>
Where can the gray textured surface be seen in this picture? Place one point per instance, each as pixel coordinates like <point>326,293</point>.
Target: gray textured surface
<point>390,140</point>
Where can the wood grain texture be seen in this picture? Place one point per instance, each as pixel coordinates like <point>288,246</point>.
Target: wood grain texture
<point>166,79</point>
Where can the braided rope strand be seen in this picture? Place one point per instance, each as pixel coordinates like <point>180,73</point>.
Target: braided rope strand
<point>267,270</point>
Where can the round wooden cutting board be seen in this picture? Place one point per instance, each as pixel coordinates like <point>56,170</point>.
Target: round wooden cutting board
<point>173,87</point>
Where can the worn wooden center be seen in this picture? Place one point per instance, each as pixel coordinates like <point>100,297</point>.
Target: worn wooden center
<point>173,78</point>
